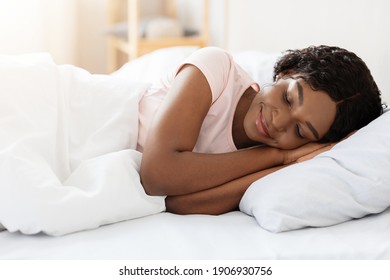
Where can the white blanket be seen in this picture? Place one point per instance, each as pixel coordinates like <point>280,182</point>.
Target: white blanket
<point>67,140</point>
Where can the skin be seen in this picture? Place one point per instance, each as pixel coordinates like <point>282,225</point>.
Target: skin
<point>292,114</point>
<point>287,117</point>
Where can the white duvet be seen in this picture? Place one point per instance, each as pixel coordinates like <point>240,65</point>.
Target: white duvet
<point>67,140</point>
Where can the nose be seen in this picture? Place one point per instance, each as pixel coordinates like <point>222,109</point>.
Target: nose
<point>281,120</point>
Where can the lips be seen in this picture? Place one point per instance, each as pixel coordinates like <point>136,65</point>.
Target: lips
<point>261,124</point>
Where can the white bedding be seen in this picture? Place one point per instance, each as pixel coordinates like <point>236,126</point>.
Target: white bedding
<point>229,236</point>
<point>67,140</point>
<point>349,181</point>
<point>167,236</point>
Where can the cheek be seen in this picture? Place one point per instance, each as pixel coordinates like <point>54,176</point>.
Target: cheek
<point>269,96</point>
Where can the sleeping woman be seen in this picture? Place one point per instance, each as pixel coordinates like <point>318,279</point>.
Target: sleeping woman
<point>209,131</point>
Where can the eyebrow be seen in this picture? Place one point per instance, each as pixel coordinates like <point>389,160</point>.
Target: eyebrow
<point>300,102</point>
<point>300,93</point>
<point>313,130</point>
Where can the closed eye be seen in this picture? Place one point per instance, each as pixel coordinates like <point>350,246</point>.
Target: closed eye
<point>285,98</point>
<point>298,132</point>
<point>289,103</point>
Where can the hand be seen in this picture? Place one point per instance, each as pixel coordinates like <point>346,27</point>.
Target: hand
<point>305,152</point>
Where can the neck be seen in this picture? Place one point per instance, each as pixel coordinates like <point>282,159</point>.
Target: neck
<point>240,138</point>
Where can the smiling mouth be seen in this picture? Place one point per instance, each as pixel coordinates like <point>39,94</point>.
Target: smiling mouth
<point>261,124</point>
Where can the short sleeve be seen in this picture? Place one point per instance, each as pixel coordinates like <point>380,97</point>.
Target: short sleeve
<point>215,64</point>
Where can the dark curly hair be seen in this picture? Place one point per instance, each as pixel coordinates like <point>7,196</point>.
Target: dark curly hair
<point>344,77</point>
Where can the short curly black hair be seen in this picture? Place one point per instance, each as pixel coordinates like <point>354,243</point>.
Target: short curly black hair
<point>344,77</point>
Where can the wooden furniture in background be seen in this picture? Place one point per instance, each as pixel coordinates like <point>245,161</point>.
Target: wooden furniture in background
<point>124,48</point>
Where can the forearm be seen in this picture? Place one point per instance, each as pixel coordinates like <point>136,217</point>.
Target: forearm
<point>218,200</point>
<point>189,172</point>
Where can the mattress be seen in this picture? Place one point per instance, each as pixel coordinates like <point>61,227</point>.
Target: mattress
<point>233,235</point>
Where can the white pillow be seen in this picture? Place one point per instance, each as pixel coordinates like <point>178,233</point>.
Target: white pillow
<point>259,65</point>
<point>152,66</point>
<point>350,181</point>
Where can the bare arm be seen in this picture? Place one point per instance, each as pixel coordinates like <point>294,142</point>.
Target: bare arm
<point>169,167</point>
<point>218,200</point>
<point>226,197</point>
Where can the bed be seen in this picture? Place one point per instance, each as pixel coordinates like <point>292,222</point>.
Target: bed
<point>335,206</point>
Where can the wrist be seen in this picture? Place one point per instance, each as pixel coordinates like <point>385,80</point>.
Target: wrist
<point>270,157</point>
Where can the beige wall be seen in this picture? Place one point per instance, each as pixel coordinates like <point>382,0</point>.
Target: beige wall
<point>91,39</point>
<point>38,25</point>
<point>92,46</point>
<point>73,31</point>
<point>362,26</point>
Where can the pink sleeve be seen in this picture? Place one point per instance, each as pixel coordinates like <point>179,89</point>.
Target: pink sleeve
<point>215,64</point>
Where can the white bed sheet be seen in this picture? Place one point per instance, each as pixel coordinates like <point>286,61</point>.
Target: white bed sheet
<point>230,236</point>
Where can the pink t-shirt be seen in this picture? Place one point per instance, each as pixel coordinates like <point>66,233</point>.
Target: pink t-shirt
<point>227,80</point>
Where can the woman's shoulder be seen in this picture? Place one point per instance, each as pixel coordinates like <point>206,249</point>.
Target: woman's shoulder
<point>212,55</point>
<point>212,49</point>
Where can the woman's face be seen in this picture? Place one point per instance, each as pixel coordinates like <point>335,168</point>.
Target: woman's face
<point>288,114</point>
